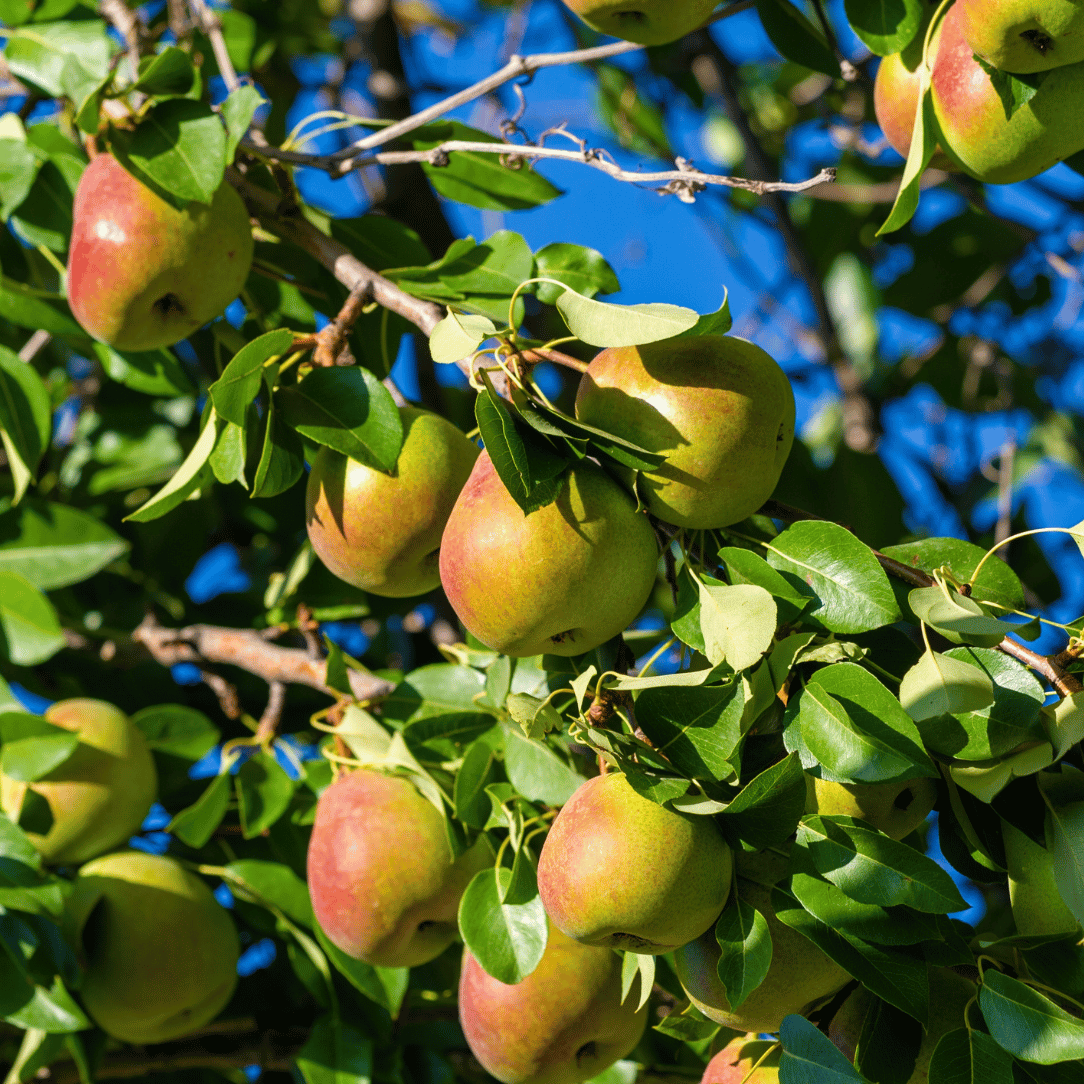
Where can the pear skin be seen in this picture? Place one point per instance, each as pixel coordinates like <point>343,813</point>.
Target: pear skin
<point>974,130</point>
<point>381,532</point>
<point>719,407</point>
<point>143,274</point>
<point>621,871</point>
<point>1024,35</point>
<point>560,581</point>
<point>799,974</point>
<point>99,796</point>
<point>563,1024</point>
<point>160,951</point>
<point>648,22</point>
<point>734,1063</point>
<point>896,809</point>
<point>384,883</point>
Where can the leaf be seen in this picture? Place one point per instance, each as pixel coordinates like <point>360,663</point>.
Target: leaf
<point>469,798</point>
<point>600,323</point>
<point>274,883</point>
<point>382,985</point>
<point>336,1053</point>
<point>29,627</point>
<point>633,964</point>
<point>152,372</point>
<point>1067,828</point>
<point>19,167</point>
<point>969,1056</point>
<point>810,1057</point>
<point>738,624</point>
<point>458,335</point>
<point>581,269</point>
<point>177,730</point>
<point>186,479</point>
<point>25,413</point>
<point>196,824</point>
<point>884,26</point>
<point>349,410</point>
<point>829,564</point>
<point>32,746</point>
<point>941,685</point>
<point>745,944</point>
<point>169,73</point>
<point>957,617</point>
<point>536,717</point>
<point>536,772</point>
<point>1014,90</point>
<point>796,37</point>
<point>923,144</point>
<point>873,868</point>
<point>41,54</point>
<point>52,1010</point>
<point>264,791</point>
<point>55,545</point>
<point>237,111</point>
<point>1028,1024</point>
<point>508,940</point>
<point>179,148</point>
<point>242,378</point>
<point>768,808</point>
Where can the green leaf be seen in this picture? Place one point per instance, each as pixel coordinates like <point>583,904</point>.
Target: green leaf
<point>884,26</point>
<point>237,111</point>
<point>970,1056</point>
<point>32,746</point>
<point>600,323</point>
<point>186,479</point>
<point>25,413</point>
<point>55,545</point>
<point>768,808</point>
<point>349,410</point>
<point>825,562</point>
<point>873,868</point>
<point>745,566</point>
<point>169,73</point>
<point>274,883</point>
<point>1066,827</point>
<point>242,378</point>
<point>178,730</point>
<point>29,627</point>
<point>40,54</point>
<point>228,457</point>
<point>584,270</point>
<point>491,270</point>
<point>196,824</point>
<point>179,148</point>
<point>796,37</point>
<point>536,772</point>
<point>536,717</point>
<point>941,685</point>
<point>37,313</point>
<point>336,1053</point>
<point>469,798</point>
<point>957,617</point>
<point>1014,90</point>
<point>923,144</point>
<point>738,624</point>
<point>1028,1024</point>
<point>382,985</point>
<point>282,460</point>
<point>508,940</point>
<point>152,372</point>
<point>52,1010</point>
<point>458,335</point>
<point>810,1057</point>
<point>745,944</point>
<point>633,964</point>
<point>264,791</point>
<point>19,167</point>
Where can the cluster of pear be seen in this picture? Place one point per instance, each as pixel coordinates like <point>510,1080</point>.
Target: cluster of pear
<point>144,273</point>
<point>616,871</point>
<point>568,576</point>
<point>158,953</point>
<point>974,132</point>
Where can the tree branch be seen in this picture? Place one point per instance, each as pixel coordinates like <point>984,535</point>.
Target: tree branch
<point>127,25</point>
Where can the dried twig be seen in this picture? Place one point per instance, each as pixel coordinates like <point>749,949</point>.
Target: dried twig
<point>209,23</point>
<point>331,341</point>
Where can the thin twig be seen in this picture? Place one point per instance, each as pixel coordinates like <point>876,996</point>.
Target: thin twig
<point>272,714</point>
<point>209,23</point>
<point>35,345</point>
<point>309,628</point>
<point>128,26</point>
<point>557,357</point>
<point>331,341</point>
<point>223,690</point>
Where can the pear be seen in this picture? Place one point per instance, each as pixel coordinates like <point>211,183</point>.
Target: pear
<point>1037,906</point>
<point>974,130</point>
<point>381,532</point>
<point>734,1063</point>
<point>143,274</point>
<point>649,22</point>
<point>623,872</point>
<point>160,952</point>
<point>384,883</point>
<point>99,796</point>
<point>719,407</point>
<point>799,974</point>
<point>896,809</point>
<point>560,581</point>
<point>1024,35</point>
<point>564,1023</point>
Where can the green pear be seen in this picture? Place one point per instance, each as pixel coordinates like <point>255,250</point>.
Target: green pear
<point>1037,906</point>
<point>159,950</point>
<point>143,274</point>
<point>799,974</point>
<point>949,996</point>
<point>384,883</point>
<point>560,581</point>
<point>719,407</point>
<point>734,1064</point>
<point>1024,35</point>
<point>564,1023</point>
<point>896,809</point>
<point>623,872</point>
<point>649,22</point>
<point>974,130</point>
<point>98,797</point>
<point>381,532</point>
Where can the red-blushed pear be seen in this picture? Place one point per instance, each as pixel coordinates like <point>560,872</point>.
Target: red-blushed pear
<point>143,274</point>
<point>560,581</point>
<point>381,532</point>
<point>384,883</point>
<point>649,22</point>
<point>160,952</point>
<point>1037,905</point>
<point>799,974</point>
<point>564,1023</point>
<point>719,407</point>
<point>949,995</point>
<point>620,871</point>
<point>896,809</point>
<point>734,1064</point>
<point>974,130</point>
<point>1024,35</point>
<point>98,797</point>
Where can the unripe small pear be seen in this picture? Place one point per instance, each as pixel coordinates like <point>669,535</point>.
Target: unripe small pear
<point>648,22</point>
